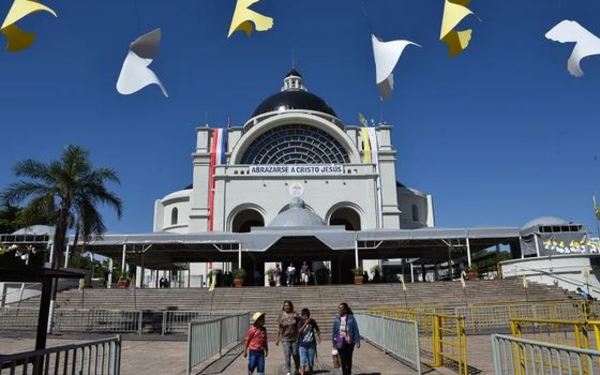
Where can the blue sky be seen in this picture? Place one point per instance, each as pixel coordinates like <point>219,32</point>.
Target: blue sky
<point>499,135</point>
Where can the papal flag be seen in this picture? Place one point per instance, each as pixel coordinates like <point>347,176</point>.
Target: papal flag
<point>213,282</point>
<point>596,208</point>
<point>363,120</point>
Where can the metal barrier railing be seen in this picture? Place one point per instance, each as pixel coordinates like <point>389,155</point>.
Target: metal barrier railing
<point>18,319</point>
<point>210,338</point>
<point>556,331</point>
<point>396,336</point>
<point>96,321</point>
<point>94,357</point>
<point>175,321</point>
<point>107,321</point>
<point>517,356</point>
<point>448,335</point>
<point>490,317</point>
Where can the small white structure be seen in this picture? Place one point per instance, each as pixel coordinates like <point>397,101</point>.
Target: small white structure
<point>557,252</point>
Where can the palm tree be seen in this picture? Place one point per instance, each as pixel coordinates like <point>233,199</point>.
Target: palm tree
<point>71,190</point>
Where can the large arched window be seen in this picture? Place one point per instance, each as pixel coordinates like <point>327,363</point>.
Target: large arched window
<point>295,144</point>
<point>174,216</point>
<point>246,219</point>
<point>415,212</point>
<point>347,217</point>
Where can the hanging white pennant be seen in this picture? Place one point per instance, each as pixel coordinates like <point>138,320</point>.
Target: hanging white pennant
<point>586,43</point>
<point>135,74</point>
<point>387,55</point>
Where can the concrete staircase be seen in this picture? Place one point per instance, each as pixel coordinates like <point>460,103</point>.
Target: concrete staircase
<point>321,300</point>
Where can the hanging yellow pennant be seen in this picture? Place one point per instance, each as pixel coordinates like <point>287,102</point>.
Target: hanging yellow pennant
<point>18,39</point>
<point>247,20</point>
<point>454,12</point>
<point>364,136</point>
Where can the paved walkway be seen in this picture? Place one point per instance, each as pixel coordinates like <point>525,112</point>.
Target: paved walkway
<point>368,360</point>
<point>169,358</point>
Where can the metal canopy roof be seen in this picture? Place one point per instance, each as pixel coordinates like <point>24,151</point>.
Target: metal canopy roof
<point>161,249</point>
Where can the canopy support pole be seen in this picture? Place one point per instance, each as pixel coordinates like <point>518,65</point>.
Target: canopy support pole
<point>123,260</point>
<point>356,253</point>
<point>469,252</point>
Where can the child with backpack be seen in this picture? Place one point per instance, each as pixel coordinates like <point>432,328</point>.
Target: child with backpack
<point>257,347</point>
<point>309,336</point>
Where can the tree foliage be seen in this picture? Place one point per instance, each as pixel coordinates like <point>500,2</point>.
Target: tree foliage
<point>68,190</point>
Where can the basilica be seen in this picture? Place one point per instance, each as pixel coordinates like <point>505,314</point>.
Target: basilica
<point>293,146</point>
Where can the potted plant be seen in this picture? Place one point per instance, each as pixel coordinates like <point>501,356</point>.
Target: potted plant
<point>124,281</point>
<point>358,275</point>
<point>472,273</point>
<point>238,277</point>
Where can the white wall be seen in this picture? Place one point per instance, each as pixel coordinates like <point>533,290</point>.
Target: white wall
<point>564,271</point>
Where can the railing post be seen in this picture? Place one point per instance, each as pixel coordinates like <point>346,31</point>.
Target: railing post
<point>221,337</point>
<point>437,341</point>
<point>117,368</point>
<point>164,322</point>
<point>140,322</point>
<point>461,336</point>
<point>238,329</point>
<point>189,349</point>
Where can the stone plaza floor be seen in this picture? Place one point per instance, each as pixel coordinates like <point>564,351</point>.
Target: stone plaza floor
<point>151,355</point>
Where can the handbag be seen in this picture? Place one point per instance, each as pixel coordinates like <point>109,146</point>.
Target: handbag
<point>335,357</point>
<point>339,341</point>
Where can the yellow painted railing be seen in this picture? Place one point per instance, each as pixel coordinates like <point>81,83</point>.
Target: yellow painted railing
<point>448,334</point>
<point>489,317</point>
<point>574,333</point>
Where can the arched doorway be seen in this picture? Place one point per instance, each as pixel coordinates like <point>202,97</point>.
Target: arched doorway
<point>346,216</point>
<point>245,219</point>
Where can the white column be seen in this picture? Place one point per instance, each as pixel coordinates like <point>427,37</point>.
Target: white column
<point>51,244</point>
<point>537,244</point>
<point>356,253</point>
<point>468,251</point>
<point>412,273</point>
<point>110,273</point>
<point>239,255</point>
<point>189,275</point>
<point>67,253</point>
<point>123,259</point>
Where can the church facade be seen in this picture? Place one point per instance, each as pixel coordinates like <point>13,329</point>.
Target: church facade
<point>293,146</point>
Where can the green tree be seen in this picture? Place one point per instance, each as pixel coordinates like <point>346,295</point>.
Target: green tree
<point>69,190</point>
<point>13,218</point>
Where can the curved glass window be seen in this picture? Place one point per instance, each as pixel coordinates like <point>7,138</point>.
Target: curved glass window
<point>174,216</point>
<point>415,212</point>
<point>295,144</point>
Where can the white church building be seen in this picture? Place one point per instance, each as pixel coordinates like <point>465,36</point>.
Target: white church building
<point>293,145</point>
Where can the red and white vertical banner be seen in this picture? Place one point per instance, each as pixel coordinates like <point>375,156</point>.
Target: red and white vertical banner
<point>375,160</point>
<point>217,157</point>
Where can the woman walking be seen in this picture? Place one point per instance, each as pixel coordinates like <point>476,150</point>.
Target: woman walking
<point>287,333</point>
<point>257,347</point>
<point>345,336</point>
<point>309,336</point>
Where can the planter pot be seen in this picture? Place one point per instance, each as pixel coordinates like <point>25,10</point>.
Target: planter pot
<point>238,282</point>
<point>473,275</point>
<point>358,280</point>
<point>123,283</point>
